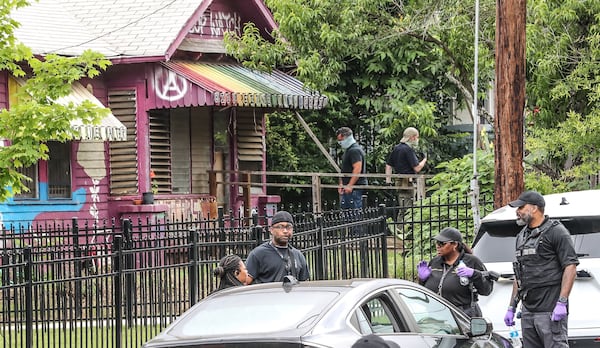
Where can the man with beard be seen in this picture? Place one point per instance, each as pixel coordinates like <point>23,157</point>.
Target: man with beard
<point>403,160</point>
<point>275,259</point>
<point>545,271</point>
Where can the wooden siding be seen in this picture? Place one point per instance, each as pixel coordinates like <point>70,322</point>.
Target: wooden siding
<point>4,90</point>
<point>123,154</point>
<point>180,150</point>
<point>201,127</point>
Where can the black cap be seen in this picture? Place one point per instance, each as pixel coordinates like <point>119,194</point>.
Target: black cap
<point>282,216</point>
<point>374,341</point>
<point>449,234</point>
<point>528,197</point>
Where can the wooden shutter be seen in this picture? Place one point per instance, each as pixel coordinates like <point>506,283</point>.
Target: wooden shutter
<point>250,136</point>
<point>123,154</point>
<point>160,148</point>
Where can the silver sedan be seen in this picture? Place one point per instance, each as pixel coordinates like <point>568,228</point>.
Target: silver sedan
<point>326,314</point>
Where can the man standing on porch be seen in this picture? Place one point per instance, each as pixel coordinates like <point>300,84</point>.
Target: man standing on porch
<point>353,162</point>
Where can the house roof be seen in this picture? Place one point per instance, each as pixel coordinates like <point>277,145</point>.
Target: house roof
<point>115,28</point>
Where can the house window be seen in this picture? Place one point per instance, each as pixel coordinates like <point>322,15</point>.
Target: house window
<point>180,149</point>
<point>59,170</point>
<point>56,170</point>
<point>250,143</point>
<point>32,185</point>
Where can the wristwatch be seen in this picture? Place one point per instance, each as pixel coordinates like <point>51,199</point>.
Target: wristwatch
<point>563,299</point>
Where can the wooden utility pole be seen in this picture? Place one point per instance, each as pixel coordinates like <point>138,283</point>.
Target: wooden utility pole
<point>510,100</point>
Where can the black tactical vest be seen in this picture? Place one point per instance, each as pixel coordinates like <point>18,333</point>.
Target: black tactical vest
<point>537,270</point>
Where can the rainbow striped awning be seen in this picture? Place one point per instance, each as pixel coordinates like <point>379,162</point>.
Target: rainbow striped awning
<point>235,85</point>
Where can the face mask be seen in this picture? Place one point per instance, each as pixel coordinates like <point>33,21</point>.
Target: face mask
<point>414,143</point>
<point>347,142</point>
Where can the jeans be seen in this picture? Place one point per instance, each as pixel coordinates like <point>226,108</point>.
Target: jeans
<point>352,200</point>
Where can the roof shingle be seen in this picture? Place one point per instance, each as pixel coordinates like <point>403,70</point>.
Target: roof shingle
<point>115,28</point>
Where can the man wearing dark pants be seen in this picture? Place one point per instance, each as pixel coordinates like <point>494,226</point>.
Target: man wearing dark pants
<point>545,271</point>
<point>403,160</point>
<point>353,162</point>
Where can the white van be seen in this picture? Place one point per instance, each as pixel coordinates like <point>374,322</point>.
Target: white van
<point>494,244</point>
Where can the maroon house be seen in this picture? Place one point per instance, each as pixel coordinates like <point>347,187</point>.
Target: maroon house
<point>180,107</point>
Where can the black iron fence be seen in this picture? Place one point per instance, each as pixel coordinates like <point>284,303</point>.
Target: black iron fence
<point>77,284</point>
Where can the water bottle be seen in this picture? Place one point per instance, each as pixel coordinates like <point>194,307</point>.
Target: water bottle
<point>514,337</point>
<point>464,281</point>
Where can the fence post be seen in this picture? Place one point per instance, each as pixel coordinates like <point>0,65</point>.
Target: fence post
<point>322,268</point>
<point>256,235</point>
<point>221,222</point>
<point>247,194</point>
<point>117,254</point>
<point>383,231</point>
<point>28,298</point>
<point>77,266</point>
<point>129,276</point>
<point>193,268</point>
<point>316,193</point>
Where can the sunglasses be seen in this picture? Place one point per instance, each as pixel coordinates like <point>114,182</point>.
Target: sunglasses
<point>441,244</point>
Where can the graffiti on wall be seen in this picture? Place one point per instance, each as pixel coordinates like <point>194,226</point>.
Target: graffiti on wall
<point>169,86</point>
<point>94,198</point>
<point>216,23</point>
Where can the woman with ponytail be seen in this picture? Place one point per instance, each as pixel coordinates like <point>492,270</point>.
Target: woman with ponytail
<point>231,272</point>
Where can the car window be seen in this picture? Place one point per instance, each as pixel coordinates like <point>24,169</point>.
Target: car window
<point>376,316</point>
<point>498,245</point>
<point>497,248</point>
<point>586,245</point>
<point>253,313</point>
<point>431,315</point>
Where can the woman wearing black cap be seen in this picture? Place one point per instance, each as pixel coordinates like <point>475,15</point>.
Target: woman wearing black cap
<point>455,273</point>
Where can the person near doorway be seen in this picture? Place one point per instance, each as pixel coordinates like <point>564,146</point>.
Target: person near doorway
<point>353,162</point>
<point>275,259</point>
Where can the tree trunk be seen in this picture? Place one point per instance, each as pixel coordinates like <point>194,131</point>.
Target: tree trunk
<point>510,100</point>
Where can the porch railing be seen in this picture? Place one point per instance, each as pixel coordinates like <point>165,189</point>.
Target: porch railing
<point>316,183</point>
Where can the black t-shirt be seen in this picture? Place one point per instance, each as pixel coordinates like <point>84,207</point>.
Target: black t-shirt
<point>267,263</point>
<point>403,159</point>
<point>352,155</point>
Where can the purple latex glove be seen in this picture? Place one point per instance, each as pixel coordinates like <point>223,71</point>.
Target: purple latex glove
<point>464,271</point>
<point>559,312</point>
<point>423,270</point>
<point>509,317</point>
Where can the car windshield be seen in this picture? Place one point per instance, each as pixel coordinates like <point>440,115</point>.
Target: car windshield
<point>253,312</point>
<point>497,241</point>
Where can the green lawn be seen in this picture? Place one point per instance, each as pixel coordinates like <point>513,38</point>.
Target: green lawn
<point>80,337</point>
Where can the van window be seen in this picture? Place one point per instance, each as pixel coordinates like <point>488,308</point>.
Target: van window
<point>497,243</point>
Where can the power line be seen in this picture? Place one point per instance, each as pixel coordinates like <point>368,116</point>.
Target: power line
<point>116,29</point>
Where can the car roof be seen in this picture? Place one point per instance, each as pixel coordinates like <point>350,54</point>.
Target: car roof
<point>324,296</point>
<point>558,205</point>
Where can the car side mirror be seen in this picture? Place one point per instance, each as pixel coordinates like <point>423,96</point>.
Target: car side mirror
<point>480,327</point>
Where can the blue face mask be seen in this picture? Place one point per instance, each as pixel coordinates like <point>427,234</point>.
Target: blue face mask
<point>347,142</point>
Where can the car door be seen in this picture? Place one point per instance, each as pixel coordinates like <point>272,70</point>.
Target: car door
<point>439,324</point>
<point>378,315</point>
